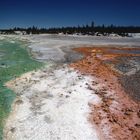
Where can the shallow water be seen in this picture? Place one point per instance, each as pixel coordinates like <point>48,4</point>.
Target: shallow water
<point>14,60</point>
<point>125,51</point>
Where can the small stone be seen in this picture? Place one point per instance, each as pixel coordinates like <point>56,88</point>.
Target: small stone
<point>89,87</point>
<point>67,96</point>
<point>47,119</point>
<point>13,129</point>
<point>2,64</point>
<point>137,125</point>
<point>96,92</point>
<point>105,109</point>
<point>94,83</point>
<point>127,112</point>
<point>138,114</point>
<point>61,95</point>
<point>50,95</point>
<point>18,102</point>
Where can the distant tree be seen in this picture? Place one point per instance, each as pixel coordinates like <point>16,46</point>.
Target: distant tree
<point>92,24</point>
<point>85,29</point>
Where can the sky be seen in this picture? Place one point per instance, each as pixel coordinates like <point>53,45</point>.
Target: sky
<point>57,13</point>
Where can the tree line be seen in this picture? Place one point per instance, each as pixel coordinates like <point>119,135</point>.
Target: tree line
<point>83,30</point>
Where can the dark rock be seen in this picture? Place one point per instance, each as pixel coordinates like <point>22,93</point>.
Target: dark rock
<point>67,96</point>
<point>18,102</point>
<point>13,129</point>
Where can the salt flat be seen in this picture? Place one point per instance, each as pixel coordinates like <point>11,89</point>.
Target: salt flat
<point>51,105</point>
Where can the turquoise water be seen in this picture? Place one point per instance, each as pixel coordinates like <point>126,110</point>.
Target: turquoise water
<point>14,61</point>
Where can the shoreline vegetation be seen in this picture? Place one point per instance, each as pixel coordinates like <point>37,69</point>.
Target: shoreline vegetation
<point>88,29</point>
<point>14,62</point>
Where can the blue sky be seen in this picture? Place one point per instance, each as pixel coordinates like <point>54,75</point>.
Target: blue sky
<point>54,13</point>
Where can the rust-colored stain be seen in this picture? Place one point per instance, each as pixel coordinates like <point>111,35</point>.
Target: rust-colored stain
<point>118,113</point>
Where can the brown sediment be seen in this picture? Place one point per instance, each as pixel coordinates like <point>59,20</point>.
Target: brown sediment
<point>118,115</point>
